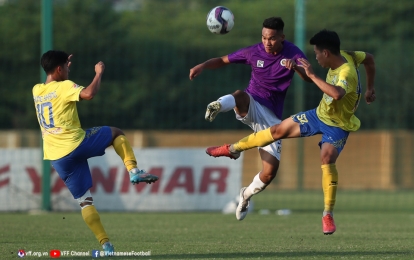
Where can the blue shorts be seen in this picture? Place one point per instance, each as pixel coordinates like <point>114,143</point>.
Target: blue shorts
<point>73,169</point>
<point>311,125</point>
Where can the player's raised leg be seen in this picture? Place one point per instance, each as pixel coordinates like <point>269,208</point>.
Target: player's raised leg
<point>124,150</point>
<point>223,104</point>
<point>287,129</point>
<point>259,139</point>
<point>239,101</point>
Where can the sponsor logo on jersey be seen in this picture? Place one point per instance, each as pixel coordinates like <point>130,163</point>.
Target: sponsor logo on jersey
<point>345,83</point>
<point>334,79</point>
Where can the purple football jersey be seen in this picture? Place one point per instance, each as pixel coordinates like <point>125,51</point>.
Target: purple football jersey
<point>270,79</point>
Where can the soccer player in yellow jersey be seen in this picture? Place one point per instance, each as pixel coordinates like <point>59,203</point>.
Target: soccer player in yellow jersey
<point>334,118</point>
<point>68,146</point>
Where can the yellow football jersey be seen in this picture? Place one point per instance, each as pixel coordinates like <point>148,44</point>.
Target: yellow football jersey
<point>57,115</point>
<point>340,113</point>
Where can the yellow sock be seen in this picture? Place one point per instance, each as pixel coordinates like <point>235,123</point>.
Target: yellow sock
<point>124,150</point>
<point>92,219</point>
<point>329,185</point>
<point>259,139</point>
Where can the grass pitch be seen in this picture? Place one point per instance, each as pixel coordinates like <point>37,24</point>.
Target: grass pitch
<point>364,231</point>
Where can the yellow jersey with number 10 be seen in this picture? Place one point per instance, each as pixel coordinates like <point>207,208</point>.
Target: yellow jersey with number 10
<point>340,113</point>
<point>58,118</point>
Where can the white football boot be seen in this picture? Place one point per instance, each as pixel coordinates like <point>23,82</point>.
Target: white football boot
<point>243,207</point>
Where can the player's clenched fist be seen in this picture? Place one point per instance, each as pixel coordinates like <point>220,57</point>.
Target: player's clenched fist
<point>370,96</point>
<point>99,67</point>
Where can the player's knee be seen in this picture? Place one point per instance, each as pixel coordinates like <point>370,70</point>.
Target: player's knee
<point>237,93</point>
<point>274,131</point>
<point>86,200</point>
<point>327,158</point>
<point>116,132</point>
<point>241,96</point>
<point>329,154</point>
<point>242,100</point>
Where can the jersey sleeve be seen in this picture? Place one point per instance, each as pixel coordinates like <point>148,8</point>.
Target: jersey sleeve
<point>360,57</point>
<point>239,56</point>
<point>356,57</point>
<point>299,54</point>
<point>71,91</point>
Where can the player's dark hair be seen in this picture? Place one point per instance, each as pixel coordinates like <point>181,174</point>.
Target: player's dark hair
<point>274,23</point>
<point>328,40</point>
<point>52,59</point>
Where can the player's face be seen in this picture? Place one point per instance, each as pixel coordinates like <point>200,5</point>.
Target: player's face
<point>320,56</point>
<point>272,40</point>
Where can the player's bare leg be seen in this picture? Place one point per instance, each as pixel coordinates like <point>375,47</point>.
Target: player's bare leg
<point>259,183</point>
<point>242,102</point>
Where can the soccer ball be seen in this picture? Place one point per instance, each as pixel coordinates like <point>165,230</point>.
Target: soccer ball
<point>220,20</point>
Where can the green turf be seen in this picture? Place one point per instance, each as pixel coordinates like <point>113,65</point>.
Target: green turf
<point>362,233</point>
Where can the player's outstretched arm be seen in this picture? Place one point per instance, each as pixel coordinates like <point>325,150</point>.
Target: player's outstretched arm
<point>291,65</point>
<point>335,92</point>
<point>369,65</point>
<point>302,73</point>
<point>213,63</point>
<point>90,91</point>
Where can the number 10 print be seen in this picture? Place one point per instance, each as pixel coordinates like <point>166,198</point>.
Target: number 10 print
<point>41,108</point>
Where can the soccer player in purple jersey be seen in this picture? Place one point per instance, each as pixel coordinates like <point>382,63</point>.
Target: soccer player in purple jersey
<point>260,105</point>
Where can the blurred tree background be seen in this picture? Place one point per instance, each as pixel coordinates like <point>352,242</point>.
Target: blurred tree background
<point>149,46</point>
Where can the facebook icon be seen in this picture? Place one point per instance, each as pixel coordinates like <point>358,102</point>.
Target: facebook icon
<point>95,253</point>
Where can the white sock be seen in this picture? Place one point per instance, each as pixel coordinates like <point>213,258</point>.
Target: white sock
<point>326,213</point>
<point>133,171</point>
<point>255,187</point>
<point>227,103</point>
<point>232,150</point>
